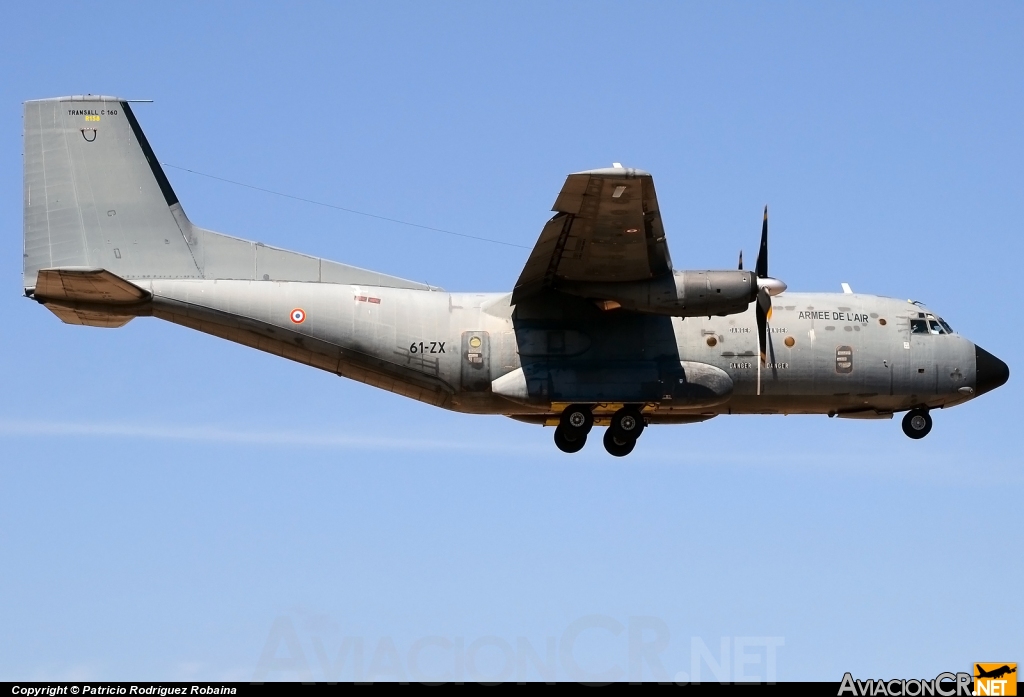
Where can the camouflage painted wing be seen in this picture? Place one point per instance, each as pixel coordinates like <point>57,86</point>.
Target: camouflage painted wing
<point>607,228</point>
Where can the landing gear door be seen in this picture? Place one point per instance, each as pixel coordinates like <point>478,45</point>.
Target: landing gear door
<point>476,362</point>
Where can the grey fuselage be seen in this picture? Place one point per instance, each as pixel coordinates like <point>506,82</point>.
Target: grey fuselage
<point>600,318</point>
<point>837,354</point>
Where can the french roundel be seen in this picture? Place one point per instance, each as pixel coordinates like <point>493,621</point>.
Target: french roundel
<point>298,315</point>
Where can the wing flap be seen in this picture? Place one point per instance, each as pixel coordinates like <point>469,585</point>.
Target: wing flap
<point>542,265</point>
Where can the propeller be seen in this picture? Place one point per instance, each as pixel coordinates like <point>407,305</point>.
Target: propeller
<point>766,288</point>
<point>741,260</point>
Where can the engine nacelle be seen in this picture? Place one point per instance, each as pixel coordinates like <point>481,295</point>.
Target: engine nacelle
<point>707,293</point>
<point>684,294</point>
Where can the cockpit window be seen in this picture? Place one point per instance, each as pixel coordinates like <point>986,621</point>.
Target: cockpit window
<point>927,323</point>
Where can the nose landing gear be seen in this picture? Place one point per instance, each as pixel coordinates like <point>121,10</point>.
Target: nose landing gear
<point>917,423</point>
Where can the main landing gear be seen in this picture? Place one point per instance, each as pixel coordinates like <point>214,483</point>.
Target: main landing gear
<point>619,439</point>
<point>617,445</point>
<point>917,423</point>
<point>627,425</point>
<point>571,433</point>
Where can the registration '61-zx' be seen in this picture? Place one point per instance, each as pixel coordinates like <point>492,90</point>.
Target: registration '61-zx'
<point>426,347</point>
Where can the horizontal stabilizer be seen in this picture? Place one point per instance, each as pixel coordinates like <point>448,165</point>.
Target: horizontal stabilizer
<point>90,297</point>
<point>87,285</point>
<point>88,318</point>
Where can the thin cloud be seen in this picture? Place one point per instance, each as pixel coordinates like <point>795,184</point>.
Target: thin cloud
<point>948,468</point>
<point>17,428</point>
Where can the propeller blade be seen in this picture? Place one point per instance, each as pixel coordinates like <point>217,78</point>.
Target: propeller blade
<point>766,288</point>
<point>763,312</point>
<point>762,331</point>
<point>761,267</point>
<point>741,260</point>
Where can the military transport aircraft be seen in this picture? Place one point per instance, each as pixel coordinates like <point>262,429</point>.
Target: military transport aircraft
<point>599,330</point>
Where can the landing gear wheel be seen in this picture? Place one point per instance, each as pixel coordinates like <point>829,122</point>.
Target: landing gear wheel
<point>617,445</point>
<point>627,424</point>
<point>569,442</point>
<point>577,419</point>
<point>917,423</point>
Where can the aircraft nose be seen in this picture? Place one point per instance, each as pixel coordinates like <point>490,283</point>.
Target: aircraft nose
<point>991,372</point>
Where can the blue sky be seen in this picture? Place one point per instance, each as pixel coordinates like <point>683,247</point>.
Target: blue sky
<point>177,507</point>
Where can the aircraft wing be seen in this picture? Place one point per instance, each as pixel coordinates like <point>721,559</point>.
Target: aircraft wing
<point>607,228</point>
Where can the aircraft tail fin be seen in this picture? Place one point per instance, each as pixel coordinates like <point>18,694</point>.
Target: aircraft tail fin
<point>95,195</point>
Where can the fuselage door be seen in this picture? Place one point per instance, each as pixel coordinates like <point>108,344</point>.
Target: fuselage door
<point>476,361</point>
